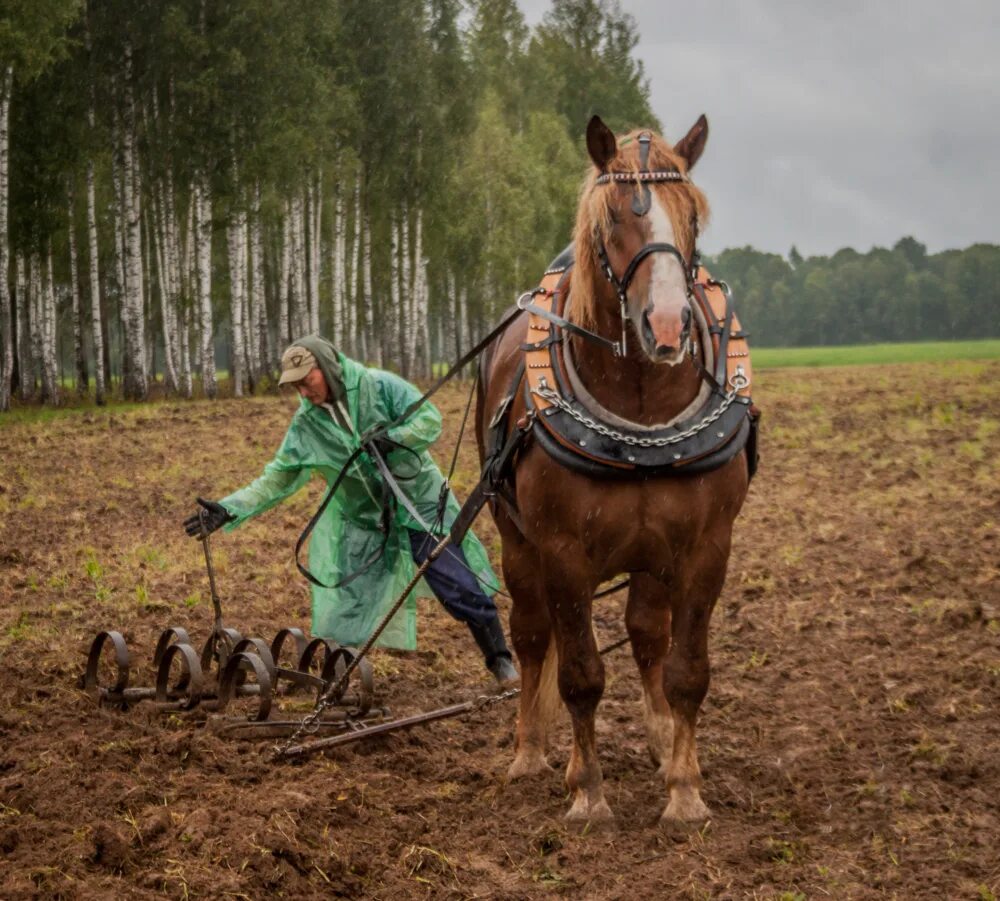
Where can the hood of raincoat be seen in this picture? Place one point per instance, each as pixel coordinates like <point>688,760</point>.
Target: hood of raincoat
<point>329,363</point>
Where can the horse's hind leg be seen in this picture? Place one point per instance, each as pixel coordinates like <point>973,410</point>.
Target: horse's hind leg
<point>686,679</point>
<point>531,633</point>
<point>647,618</point>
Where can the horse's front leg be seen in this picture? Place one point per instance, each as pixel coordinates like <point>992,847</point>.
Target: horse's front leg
<point>530,632</point>
<point>647,617</point>
<point>581,684</point>
<point>686,678</point>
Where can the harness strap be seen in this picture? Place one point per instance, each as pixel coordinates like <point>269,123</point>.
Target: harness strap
<point>564,324</point>
<point>493,474</point>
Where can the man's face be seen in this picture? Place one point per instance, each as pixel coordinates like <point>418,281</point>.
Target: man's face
<point>313,387</point>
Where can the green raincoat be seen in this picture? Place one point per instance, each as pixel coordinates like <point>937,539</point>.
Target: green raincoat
<point>347,535</point>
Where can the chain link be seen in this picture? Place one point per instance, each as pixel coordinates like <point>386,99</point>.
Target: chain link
<point>484,701</point>
<point>737,382</point>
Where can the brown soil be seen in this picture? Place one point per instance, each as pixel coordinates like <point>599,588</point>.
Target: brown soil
<point>849,741</point>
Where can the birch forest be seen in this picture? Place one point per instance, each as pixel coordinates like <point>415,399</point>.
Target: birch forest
<point>188,185</point>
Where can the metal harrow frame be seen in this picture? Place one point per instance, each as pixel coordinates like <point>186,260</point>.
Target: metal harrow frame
<point>230,666</point>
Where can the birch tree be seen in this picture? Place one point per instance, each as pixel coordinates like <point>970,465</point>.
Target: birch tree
<point>133,322</point>
<point>203,254</point>
<point>6,319</point>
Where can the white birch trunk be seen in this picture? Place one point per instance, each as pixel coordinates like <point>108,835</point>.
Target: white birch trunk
<point>6,319</point>
<point>147,251</point>
<point>463,317</point>
<point>119,217</point>
<point>421,341</point>
<point>184,317</point>
<point>80,360</point>
<point>50,358</point>
<point>135,387</point>
<point>449,327</point>
<point>367,300</point>
<point>22,315</point>
<point>404,311</point>
<point>315,245</point>
<point>252,299</point>
<point>259,315</point>
<point>299,299</point>
<point>35,322</point>
<point>179,250</point>
<point>357,316</point>
<point>236,362</point>
<point>169,292</point>
<point>285,294</point>
<point>97,338</point>
<point>203,255</point>
<point>337,267</point>
<point>390,332</point>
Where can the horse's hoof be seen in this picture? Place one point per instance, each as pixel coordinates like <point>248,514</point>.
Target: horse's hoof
<point>528,765</point>
<point>587,815</point>
<point>681,820</point>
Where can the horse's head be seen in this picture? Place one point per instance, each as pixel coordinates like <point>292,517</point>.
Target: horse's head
<point>636,227</point>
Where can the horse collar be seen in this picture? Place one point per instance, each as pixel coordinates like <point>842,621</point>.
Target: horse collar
<point>573,431</point>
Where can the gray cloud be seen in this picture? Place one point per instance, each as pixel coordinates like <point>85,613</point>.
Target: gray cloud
<point>832,124</point>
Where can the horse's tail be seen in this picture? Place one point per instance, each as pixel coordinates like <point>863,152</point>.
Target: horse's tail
<point>547,700</point>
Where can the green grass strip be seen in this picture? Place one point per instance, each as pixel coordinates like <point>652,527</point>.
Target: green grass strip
<point>875,354</point>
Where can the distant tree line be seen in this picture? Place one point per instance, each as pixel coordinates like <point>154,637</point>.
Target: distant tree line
<point>191,181</point>
<point>902,294</point>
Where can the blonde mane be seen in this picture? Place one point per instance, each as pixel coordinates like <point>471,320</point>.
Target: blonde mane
<point>683,202</point>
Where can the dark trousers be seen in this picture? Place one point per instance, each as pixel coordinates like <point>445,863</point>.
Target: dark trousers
<point>454,586</point>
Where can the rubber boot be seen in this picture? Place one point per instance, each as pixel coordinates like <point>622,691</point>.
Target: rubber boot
<point>497,655</point>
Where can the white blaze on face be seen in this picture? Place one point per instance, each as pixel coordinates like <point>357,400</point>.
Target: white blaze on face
<point>667,282</point>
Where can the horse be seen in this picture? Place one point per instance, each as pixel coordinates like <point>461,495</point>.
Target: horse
<point>565,531</point>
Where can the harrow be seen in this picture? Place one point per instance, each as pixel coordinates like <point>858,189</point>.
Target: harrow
<point>230,668</point>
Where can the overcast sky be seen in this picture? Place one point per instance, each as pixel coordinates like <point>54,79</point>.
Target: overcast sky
<point>832,124</point>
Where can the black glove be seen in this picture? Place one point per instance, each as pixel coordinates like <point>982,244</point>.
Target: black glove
<point>215,517</point>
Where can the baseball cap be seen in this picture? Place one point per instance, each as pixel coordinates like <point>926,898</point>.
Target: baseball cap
<point>296,364</point>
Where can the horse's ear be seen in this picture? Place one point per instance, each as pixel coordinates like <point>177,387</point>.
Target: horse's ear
<point>601,143</point>
<point>693,143</point>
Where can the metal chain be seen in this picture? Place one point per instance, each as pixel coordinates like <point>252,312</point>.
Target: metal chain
<point>484,701</point>
<point>737,381</point>
<point>310,723</point>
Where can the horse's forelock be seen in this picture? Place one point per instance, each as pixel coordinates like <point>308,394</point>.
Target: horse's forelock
<point>683,202</point>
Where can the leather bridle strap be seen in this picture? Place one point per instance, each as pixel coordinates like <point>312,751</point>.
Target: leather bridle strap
<point>659,247</point>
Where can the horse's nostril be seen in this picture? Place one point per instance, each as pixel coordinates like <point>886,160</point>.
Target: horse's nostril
<point>686,317</point>
<point>647,328</point>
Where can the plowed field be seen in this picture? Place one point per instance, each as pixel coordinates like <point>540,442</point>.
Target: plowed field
<point>850,740</point>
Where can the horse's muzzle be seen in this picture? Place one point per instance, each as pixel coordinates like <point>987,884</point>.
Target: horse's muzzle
<point>670,344</point>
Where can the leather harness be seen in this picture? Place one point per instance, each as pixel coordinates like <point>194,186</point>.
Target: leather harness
<point>580,435</point>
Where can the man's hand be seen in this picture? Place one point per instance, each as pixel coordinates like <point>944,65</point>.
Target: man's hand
<point>204,523</point>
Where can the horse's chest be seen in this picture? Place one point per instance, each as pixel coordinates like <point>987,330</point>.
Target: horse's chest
<point>643,518</point>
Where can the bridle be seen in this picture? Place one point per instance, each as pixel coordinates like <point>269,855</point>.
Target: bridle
<point>641,203</point>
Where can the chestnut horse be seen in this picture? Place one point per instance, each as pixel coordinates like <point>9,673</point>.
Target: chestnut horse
<point>670,533</point>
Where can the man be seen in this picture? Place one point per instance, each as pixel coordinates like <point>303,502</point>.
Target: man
<point>364,559</point>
